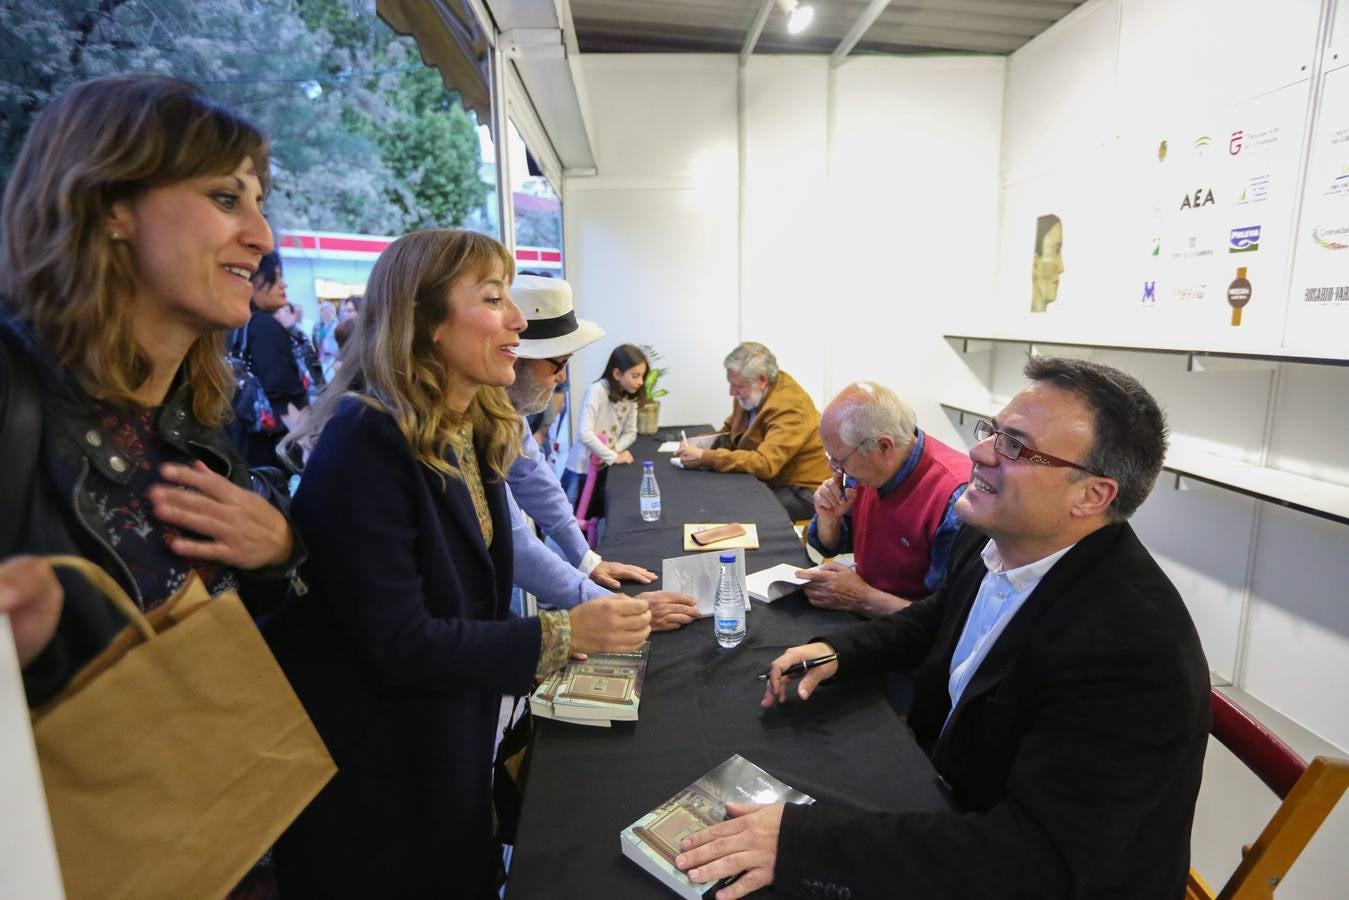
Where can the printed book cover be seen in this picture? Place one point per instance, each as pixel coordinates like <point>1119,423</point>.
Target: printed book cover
<point>604,688</point>
<point>653,840</point>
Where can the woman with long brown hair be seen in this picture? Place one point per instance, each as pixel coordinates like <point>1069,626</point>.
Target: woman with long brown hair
<point>132,225</point>
<point>404,646</point>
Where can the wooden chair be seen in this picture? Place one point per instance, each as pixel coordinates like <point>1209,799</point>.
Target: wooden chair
<point>1309,792</point>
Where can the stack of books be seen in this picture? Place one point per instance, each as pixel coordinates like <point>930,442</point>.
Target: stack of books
<point>653,840</point>
<point>601,690</point>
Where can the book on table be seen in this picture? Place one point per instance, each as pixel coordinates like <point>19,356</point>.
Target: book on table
<point>599,690</point>
<point>769,584</point>
<point>653,840</point>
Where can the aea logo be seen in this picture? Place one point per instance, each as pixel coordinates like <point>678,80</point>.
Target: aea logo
<point>1202,197</point>
<point>1150,293</point>
<point>1244,240</point>
<point>1234,142</point>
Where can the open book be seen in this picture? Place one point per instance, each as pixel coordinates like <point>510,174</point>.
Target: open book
<point>768,585</point>
<point>653,840</point>
<point>600,690</point>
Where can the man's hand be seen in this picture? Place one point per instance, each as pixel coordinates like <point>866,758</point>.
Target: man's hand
<point>689,455</point>
<point>609,574</point>
<point>833,500</point>
<point>31,595</point>
<point>836,586</point>
<point>670,610</point>
<point>747,842</point>
<point>614,624</point>
<point>239,528</point>
<point>776,692</point>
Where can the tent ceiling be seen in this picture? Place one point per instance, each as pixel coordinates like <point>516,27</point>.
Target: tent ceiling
<point>720,26</point>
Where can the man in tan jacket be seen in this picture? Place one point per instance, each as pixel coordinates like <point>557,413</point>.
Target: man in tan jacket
<point>772,432</point>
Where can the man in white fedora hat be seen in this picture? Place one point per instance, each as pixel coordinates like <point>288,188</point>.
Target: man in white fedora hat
<point>553,334</point>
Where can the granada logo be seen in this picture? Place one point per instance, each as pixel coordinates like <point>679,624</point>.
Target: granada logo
<point>1201,197</point>
<point>1244,240</point>
<point>1234,142</point>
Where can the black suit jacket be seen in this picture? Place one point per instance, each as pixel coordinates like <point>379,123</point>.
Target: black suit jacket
<point>1074,754</point>
<point>400,653</point>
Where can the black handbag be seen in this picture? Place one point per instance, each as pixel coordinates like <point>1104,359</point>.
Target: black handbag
<point>252,410</point>
<point>510,769</point>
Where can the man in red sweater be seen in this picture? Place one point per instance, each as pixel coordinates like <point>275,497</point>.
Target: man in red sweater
<point>890,502</point>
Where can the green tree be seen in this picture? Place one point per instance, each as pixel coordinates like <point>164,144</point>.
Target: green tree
<point>325,79</point>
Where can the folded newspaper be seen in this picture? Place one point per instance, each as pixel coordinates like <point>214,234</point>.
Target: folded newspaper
<point>600,690</point>
<point>653,840</point>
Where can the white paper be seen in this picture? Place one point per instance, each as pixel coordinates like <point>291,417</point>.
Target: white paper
<point>760,585</point>
<point>705,441</point>
<point>28,866</point>
<point>697,575</point>
<point>676,462</point>
<point>668,447</point>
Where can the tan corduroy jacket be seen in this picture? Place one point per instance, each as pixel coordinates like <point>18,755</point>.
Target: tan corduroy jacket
<point>782,444</point>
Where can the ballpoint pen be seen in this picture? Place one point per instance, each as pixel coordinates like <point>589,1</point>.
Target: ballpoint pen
<point>801,667</point>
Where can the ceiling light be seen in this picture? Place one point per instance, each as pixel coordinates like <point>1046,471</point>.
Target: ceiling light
<point>798,16</point>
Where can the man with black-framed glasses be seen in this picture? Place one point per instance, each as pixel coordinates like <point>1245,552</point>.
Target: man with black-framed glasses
<point>1061,689</point>
<point>891,502</point>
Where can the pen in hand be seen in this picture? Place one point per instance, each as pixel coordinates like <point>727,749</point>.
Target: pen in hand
<point>796,669</point>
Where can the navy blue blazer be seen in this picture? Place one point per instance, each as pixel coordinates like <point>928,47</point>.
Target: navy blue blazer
<point>400,652</point>
<point>1075,752</point>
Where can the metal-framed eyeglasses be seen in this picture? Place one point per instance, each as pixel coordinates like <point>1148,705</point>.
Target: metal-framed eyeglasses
<point>837,464</point>
<point>1014,448</point>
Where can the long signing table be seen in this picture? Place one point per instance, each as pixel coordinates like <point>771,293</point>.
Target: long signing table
<point>700,704</point>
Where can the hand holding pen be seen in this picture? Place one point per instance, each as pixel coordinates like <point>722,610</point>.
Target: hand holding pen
<point>811,663</point>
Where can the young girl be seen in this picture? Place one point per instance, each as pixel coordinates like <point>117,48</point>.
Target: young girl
<point>608,423</point>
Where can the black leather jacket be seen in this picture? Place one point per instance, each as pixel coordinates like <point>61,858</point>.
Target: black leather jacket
<point>54,512</point>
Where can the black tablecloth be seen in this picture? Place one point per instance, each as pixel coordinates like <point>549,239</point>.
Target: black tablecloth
<point>700,705</point>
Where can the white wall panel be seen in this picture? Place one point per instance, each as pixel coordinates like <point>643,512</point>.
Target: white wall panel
<point>1060,104</point>
<point>658,267</point>
<point>914,174</point>
<point>1298,655</point>
<point>661,121</point>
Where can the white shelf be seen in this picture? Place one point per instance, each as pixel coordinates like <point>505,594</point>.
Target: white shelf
<point>962,341</point>
<point>1300,492</point>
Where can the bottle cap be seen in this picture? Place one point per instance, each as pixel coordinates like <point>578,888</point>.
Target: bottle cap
<point>646,464</point>
<point>727,557</point>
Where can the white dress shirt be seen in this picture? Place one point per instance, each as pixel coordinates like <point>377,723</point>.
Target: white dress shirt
<point>1001,594</point>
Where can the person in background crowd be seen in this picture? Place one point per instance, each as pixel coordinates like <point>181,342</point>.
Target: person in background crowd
<point>1062,692</point>
<point>553,334</point>
<point>897,511</point>
<point>291,317</point>
<point>267,344</point>
<point>132,226</point>
<point>351,307</point>
<point>771,432</point>
<point>608,423</point>
<point>401,652</point>
<point>323,340</point>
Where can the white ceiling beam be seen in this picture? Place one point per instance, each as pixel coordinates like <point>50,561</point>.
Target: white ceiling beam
<point>755,30</point>
<point>859,28</point>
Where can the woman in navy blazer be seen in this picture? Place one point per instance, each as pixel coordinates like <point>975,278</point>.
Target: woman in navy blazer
<point>404,646</point>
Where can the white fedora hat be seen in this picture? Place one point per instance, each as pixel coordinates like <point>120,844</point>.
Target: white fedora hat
<point>553,327</point>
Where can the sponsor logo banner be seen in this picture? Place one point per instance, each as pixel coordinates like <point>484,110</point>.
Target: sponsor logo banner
<point>1244,240</point>
<point>1332,294</point>
<point>1331,238</point>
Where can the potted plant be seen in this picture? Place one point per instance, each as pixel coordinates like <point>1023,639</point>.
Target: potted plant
<point>648,404</point>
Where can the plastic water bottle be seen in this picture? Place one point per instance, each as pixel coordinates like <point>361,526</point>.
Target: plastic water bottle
<point>729,612</point>
<point>650,493</point>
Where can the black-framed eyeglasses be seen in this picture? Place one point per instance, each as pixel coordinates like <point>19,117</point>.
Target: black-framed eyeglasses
<point>838,464</point>
<point>558,363</point>
<point>1014,448</point>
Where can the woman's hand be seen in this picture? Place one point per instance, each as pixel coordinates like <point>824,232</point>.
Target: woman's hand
<point>31,595</point>
<point>613,624</point>
<point>623,458</point>
<point>240,528</point>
